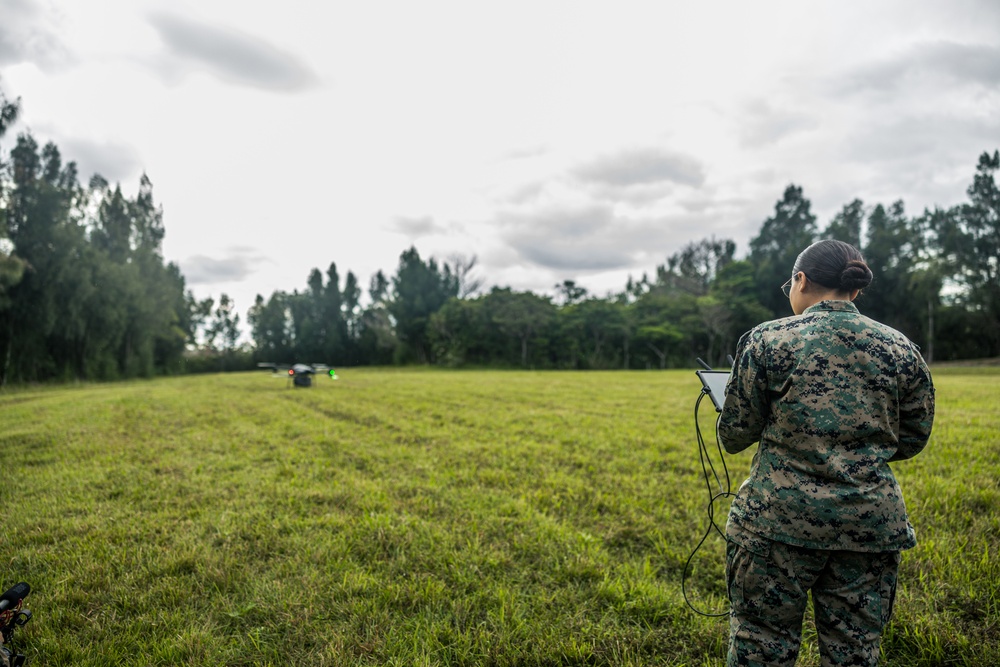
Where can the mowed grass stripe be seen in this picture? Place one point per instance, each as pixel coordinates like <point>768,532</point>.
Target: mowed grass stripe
<point>430,517</point>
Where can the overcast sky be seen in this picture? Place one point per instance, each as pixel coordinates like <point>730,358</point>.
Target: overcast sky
<point>553,140</point>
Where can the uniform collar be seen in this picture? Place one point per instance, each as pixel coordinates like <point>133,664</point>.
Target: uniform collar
<point>832,305</point>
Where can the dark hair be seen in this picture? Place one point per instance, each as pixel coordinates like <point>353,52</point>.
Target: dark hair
<point>834,264</point>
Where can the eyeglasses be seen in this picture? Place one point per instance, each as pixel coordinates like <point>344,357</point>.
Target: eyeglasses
<point>786,289</point>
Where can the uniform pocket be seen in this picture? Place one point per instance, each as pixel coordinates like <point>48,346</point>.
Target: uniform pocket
<point>887,585</point>
<point>746,575</point>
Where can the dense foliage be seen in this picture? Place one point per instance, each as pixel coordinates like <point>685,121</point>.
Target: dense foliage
<point>85,291</point>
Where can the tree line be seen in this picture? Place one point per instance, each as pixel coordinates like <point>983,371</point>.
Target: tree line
<point>936,280</point>
<point>85,292</point>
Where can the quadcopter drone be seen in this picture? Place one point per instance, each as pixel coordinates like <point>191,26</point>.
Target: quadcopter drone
<point>299,375</point>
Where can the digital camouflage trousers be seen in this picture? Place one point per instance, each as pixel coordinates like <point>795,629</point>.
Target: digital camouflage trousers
<point>852,592</point>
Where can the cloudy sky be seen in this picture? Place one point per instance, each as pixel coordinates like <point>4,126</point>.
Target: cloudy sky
<point>553,140</point>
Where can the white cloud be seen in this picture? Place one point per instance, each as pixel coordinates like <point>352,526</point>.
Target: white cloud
<point>588,238</point>
<point>114,161</point>
<point>229,54</point>
<point>415,227</point>
<point>939,63</point>
<point>761,123</point>
<point>642,166</point>
<point>27,35</point>
<point>236,267</point>
<point>550,139</point>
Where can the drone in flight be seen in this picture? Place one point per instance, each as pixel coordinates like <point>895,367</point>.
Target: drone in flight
<point>299,375</point>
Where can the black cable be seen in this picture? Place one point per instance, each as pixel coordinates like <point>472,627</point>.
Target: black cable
<point>709,472</point>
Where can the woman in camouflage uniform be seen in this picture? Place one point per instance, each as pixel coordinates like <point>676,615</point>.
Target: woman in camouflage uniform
<point>832,397</point>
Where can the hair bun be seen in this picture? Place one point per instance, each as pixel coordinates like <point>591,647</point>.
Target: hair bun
<point>856,275</point>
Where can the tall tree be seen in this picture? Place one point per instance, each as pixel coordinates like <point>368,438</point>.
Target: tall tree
<point>782,237</point>
<point>570,292</point>
<point>155,291</point>
<point>376,338</point>
<point>891,249</point>
<point>11,266</point>
<point>351,304</point>
<point>225,325</point>
<point>846,225</point>
<point>270,328</point>
<point>173,334</point>
<point>462,267</point>
<point>113,230</point>
<point>969,237</point>
<point>419,289</point>
<point>8,112</point>
<point>147,221</point>
<point>45,235</point>
<point>314,324</point>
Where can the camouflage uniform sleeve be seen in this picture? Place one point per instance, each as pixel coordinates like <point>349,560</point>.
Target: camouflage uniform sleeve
<point>745,411</point>
<point>916,408</point>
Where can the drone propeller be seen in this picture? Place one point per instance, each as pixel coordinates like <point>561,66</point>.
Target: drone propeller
<point>303,370</point>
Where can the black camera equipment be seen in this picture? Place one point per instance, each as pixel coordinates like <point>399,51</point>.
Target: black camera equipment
<point>13,616</point>
<point>713,385</point>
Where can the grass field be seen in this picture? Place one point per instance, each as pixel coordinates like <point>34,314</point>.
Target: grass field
<point>423,517</point>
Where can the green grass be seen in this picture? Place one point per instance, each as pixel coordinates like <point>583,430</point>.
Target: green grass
<point>423,517</point>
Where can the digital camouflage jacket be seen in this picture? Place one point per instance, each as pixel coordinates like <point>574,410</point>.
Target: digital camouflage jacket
<point>832,397</point>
